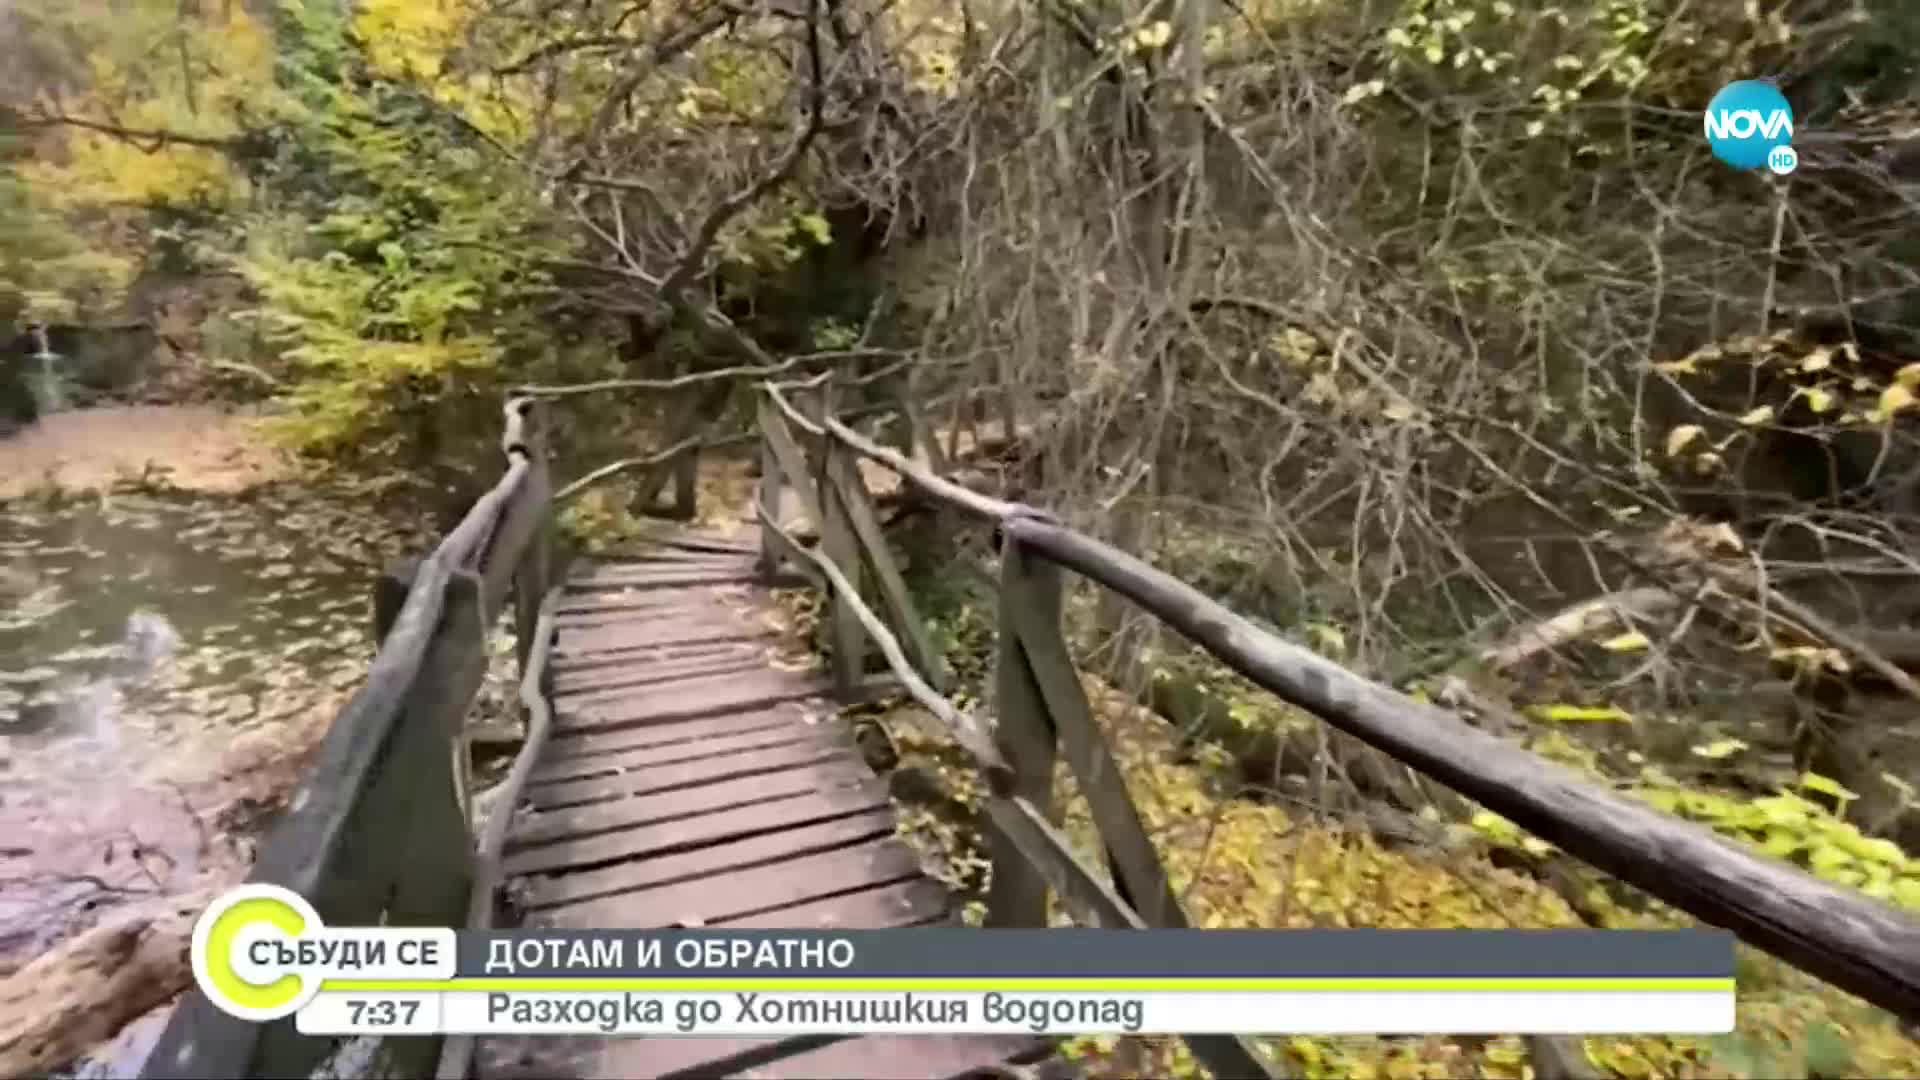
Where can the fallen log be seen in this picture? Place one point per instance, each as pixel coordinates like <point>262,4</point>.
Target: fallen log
<point>83,991</point>
<point>1583,620</point>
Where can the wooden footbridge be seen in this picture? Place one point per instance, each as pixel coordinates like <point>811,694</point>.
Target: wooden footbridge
<point>675,773</point>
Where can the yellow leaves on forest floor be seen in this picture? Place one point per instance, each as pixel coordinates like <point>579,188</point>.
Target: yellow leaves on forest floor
<point>1239,863</point>
<point>190,448</point>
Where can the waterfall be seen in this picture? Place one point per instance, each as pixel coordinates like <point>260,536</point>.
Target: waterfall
<point>47,395</point>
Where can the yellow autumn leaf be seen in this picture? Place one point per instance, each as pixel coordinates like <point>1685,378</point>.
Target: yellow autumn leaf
<point>1819,400</point>
<point>1632,641</point>
<point>1329,639</point>
<point>1908,376</point>
<point>1813,781</point>
<point>1757,416</point>
<point>1679,437</point>
<point>1810,657</point>
<point>1722,748</point>
<point>1817,360</point>
<point>1581,713</point>
<point>1683,366</point>
<point>1154,35</point>
<point>1893,399</point>
<point>1362,91</point>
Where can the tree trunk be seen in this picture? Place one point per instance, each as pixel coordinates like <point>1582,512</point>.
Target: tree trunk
<point>78,995</point>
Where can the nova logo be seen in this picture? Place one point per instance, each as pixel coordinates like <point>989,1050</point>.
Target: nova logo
<point>1750,124</point>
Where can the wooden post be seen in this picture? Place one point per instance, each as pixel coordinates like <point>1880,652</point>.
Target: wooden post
<point>527,434</point>
<point>841,546</point>
<point>1137,873</point>
<point>424,829</point>
<point>1024,733</point>
<point>686,485</point>
<point>843,485</point>
<point>771,490</point>
<point>390,595</point>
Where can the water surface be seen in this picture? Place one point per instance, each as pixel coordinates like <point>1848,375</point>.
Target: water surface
<point>165,662</point>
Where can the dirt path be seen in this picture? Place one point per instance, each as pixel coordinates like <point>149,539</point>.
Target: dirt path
<point>194,447</point>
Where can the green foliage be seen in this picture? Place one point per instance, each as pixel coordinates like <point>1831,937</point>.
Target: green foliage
<point>47,271</point>
<point>396,262</point>
<point>1671,53</point>
<point>1788,825</point>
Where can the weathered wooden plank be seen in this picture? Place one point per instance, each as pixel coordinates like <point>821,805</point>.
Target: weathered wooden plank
<point>638,580</point>
<point>619,604</point>
<point>688,699</point>
<point>1025,736</point>
<point>891,1057</point>
<point>902,1057</point>
<point>542,1057</point>
<point>731,747</point>
<point>749,891</point>
<point>712,1057</point>
<point>645,654</point>
<point>806,713</point>
<point>577,643</point>
<point>664,554</point>
<point>654,841</point>
<point>1036,621</point>
<point>714,865</point>
<point>914,902</point>
<point>685,774</point>
<point>552,825</point>
<point>1833,933</point>
<point>600,682</point>
<point>742,541</point>
<point>606,629</point>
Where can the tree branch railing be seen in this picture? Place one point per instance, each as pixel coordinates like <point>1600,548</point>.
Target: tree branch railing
<point>1843,937</point>
<point>381,832</point>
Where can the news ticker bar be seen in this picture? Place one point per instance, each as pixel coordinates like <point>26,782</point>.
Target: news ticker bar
<point>262,953</point>
<point>962,952</point>
<point>1701,1010</point>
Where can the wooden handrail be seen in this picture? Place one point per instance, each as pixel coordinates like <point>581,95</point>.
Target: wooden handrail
<point>1848,939</point>
<point>456,1053</point>
<point>1861,946</point>
<point>379,832</point>
<point>1015,820</point>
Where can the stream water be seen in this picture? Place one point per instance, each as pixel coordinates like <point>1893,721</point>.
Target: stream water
<point>165,664</point>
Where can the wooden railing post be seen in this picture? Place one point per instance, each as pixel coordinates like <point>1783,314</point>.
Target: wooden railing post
<point>772,488</point>
<point>1042,705</point>
<point>527,434</point>
<point>686,485</point>
<point>841,546</point>
<point>1137,873</point>
<point>1025,735</point>
<point>843,487</point>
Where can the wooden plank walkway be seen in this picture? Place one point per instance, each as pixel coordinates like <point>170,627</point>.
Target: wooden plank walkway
<point>692,780</point>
